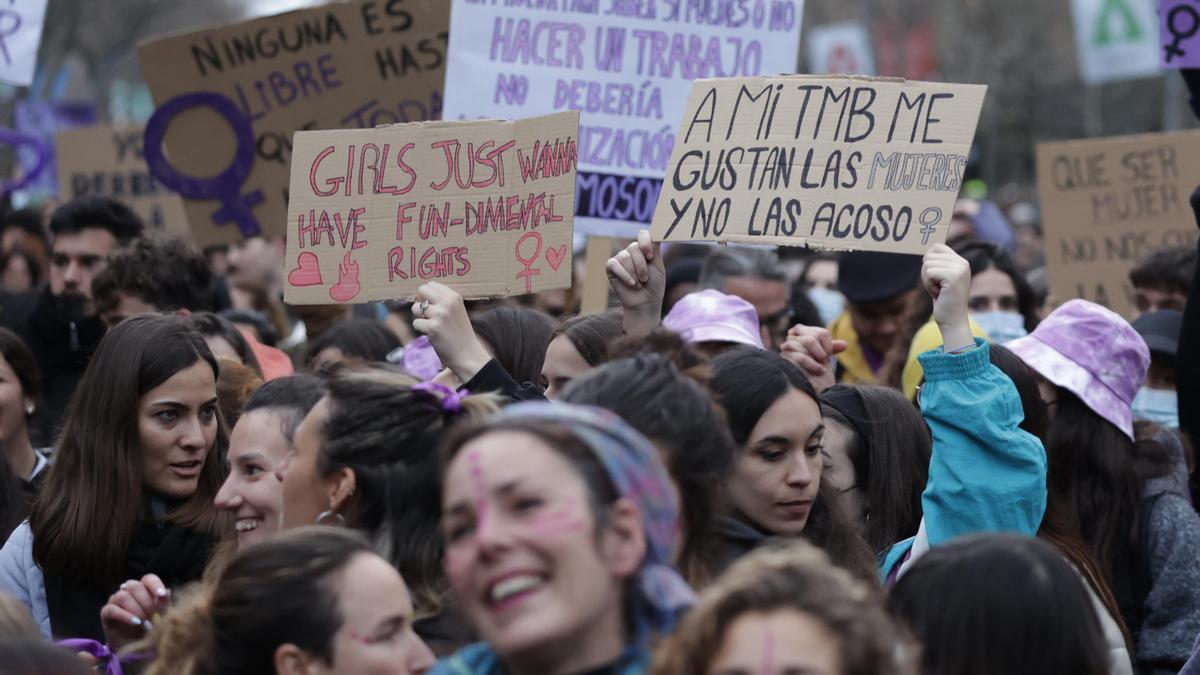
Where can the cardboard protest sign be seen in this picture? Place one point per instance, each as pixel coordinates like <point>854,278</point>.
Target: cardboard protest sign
<point>230,98</point>
<point>1179,33</point>
<point>108,162</point>
<point>44,120</point>
<point>20,34</point>
<point>840,48</point>
<point>485,207</point>
<point>626,66</point>
<point>1106,203</point>
<point>1116,39</point>
<point>838,163</point>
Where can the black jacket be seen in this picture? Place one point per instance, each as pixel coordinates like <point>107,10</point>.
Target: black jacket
<point>63,341</point>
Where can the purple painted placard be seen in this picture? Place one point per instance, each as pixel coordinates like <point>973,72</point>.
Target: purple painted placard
<point>43,120</point>
<point>1179,33</point>
<point>33,170</point>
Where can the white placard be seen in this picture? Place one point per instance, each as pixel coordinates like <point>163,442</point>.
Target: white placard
<point>1116,39</point>
<point>627,66</point>
<point>20,33</point>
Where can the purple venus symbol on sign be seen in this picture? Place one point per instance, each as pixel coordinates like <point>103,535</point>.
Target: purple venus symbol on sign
<point>226,186</point>
<point>16,139</point>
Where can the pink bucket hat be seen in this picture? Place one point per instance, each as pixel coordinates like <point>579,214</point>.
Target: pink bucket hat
<point>1092,353</point>
<point>712,316</point>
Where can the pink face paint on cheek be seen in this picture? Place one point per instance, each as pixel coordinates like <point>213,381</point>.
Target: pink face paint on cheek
<point>361,639</point>
<point>559,522</point>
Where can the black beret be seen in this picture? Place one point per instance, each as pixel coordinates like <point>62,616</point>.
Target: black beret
<point>868,276</point>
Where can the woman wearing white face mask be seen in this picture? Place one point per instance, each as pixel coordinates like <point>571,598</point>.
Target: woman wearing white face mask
<point>1001,301</point>
<point>820,282</point>
<point>1157,399</point>
<point>1001,307</point>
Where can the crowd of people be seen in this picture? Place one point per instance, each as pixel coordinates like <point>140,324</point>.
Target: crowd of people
<point>754,461</point>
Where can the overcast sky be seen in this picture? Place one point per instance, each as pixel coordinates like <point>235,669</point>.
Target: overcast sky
<point>267,7</point>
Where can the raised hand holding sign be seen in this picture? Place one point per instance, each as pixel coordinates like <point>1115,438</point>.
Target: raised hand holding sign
<point>829,162</point>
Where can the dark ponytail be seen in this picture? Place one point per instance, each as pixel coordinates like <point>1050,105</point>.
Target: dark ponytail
<point>386,430</point>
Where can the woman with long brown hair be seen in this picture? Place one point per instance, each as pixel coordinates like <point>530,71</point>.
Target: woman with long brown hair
<point>131,488</point>
<point>776,487</point>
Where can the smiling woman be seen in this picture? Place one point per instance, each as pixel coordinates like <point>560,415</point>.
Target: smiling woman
<point>139,453</point>
<point>560,522</point>
<point>259,447</point>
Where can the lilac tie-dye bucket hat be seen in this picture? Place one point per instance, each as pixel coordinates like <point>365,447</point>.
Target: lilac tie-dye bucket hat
<point>712,316</point>
<point>1093,353</point>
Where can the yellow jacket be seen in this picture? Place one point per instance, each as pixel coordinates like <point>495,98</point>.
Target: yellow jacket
<point>856,370</point>
<point>853,364</point>
<point>928,337</point>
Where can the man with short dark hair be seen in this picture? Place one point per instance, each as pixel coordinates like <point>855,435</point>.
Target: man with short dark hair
<point>63,330</point>
<point>153,275</point>
<point>1162,280</point>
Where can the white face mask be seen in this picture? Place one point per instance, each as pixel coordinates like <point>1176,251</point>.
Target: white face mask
<point>1160,406</point>
<point>830,304</point>
<point>1001,327</point>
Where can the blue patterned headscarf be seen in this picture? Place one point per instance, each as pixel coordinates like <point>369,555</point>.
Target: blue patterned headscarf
<point>636,469</point>
<point>638,474</point>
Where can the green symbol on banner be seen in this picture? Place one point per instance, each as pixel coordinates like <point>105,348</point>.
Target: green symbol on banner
<point>1128,28</point>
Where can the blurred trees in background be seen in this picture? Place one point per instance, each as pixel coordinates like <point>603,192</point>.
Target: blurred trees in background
<point>1023,49</point>
<point>89,47</point>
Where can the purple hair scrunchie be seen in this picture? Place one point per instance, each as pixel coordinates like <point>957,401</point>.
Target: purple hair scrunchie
<point>452,401</point>
<point>100,652</point>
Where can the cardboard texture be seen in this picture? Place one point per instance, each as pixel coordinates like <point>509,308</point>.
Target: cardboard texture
<point>626,66</point>
<point>343,65</point>
<point>1179,33</point>
<point>107,161</point>
<point>1108,202</point>
<point>828,162</point>
<point>595,281</point>
<point>377,213</point>
<point>20,34</point>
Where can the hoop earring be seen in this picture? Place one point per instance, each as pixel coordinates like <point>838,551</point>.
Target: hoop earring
<point>338,519</point>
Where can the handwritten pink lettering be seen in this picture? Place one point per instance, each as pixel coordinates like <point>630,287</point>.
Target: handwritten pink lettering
<point>484,156</point>
<point>370,157</point>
